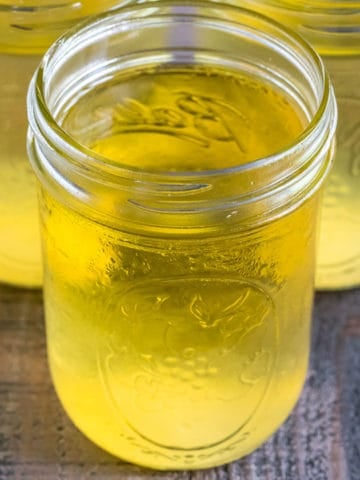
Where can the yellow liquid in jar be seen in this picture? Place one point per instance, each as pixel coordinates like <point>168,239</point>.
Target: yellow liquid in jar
<point>182,351</point>
<point>20,262</point>
<point>339,248</point>
<point>23,38</point>
<point>333,32</point>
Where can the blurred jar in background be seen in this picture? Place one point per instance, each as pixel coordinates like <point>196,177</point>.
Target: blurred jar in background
<point>333,28</point>
<point>27,28</point>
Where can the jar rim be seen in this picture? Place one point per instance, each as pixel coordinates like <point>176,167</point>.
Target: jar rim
<point>255,191</point>
<point>98,161</point>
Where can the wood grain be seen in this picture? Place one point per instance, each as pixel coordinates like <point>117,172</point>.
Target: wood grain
<point>320,441</point>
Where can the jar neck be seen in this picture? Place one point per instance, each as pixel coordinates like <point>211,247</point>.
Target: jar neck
<point>31,26</point>
<point>243,195</point>
<point>332,27</point>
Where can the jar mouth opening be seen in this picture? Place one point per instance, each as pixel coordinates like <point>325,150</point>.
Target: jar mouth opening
<point>187,10</point>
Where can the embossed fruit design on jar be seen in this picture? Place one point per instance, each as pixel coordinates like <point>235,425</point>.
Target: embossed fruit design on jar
<point>178,226</point>
<point>181,341</point>
<point>333,29</point>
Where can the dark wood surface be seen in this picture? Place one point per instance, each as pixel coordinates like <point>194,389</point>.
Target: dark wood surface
<point>320,441</point>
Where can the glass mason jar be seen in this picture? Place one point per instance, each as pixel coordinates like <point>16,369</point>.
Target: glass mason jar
<point>27,28</point>
<point>333,28</point>
<point>180,157</point>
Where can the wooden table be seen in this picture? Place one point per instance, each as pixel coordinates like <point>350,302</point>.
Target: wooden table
<point>320,441</point>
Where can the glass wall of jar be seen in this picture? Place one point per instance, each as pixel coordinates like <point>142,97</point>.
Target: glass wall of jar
<point>180,148</point>
<point>333,28</point>
<point>27,28</point>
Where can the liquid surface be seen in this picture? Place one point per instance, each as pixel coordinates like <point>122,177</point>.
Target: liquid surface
<point>181,121</point>
<point>179,352</point>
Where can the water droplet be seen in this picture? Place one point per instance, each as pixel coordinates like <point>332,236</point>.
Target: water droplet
<point>188,352</point>
<point>171,360</point>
